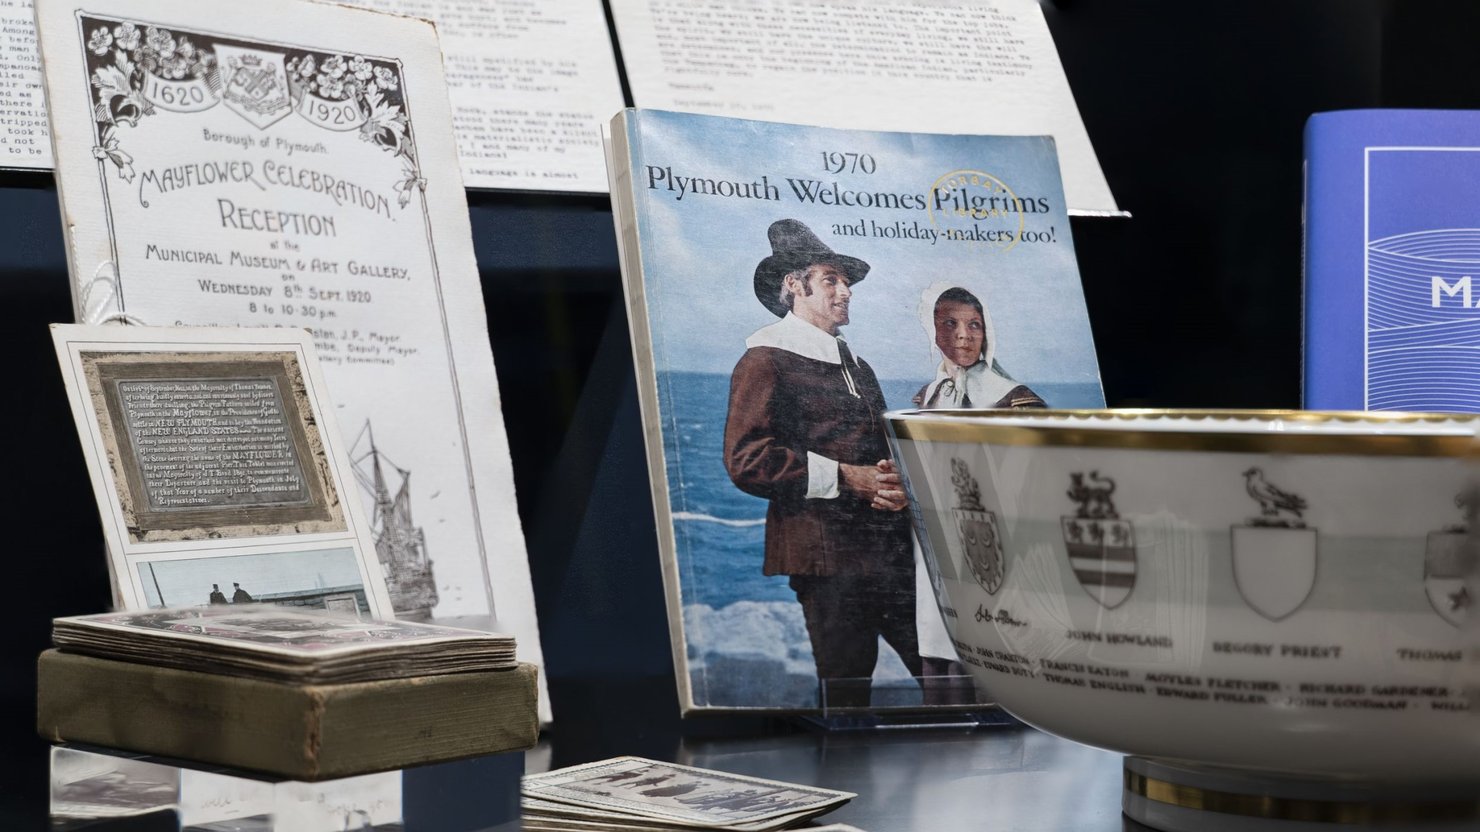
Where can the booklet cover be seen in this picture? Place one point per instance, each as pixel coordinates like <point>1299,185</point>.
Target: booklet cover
<point>1392,247</point>
<point>218,469</point>
<point>786,285</point>
<point>286,163</point>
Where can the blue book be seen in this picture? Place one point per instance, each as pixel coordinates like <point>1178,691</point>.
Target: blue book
<point>785,286</point>
<point>1392,260</point>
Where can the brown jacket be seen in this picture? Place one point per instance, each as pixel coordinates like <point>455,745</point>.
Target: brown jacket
<point>783,405</point>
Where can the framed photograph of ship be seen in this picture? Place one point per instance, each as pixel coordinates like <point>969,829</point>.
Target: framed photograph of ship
<point>786,286</point>
<point>218,468</point>
<point>290,163</point>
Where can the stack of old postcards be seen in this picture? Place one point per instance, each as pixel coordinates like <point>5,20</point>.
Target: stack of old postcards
<point>281,644</point>
<point>628,793</point>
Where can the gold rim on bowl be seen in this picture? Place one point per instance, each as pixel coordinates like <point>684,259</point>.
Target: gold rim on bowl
<point>1305,811</point>
<point>1116,429</point>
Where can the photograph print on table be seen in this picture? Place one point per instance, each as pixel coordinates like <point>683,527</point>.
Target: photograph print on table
<point>680,797</point>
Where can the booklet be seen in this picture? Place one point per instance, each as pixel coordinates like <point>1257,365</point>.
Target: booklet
<point>219,469</point>
<point>787,285</point>
<point>287,163</point>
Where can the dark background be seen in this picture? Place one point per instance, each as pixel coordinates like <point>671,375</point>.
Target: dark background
<point>1196,111</point>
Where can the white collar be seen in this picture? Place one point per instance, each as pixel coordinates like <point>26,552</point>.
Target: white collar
<point>983,385</point>
<point>797,336</point>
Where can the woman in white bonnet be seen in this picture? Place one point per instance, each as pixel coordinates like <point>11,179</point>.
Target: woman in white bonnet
<point>968,375</point>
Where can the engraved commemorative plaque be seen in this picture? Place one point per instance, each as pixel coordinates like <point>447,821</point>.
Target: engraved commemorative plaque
<point>219,469</point>
<point>201,441</point>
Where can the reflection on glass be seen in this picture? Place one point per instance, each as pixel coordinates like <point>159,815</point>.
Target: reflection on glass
<point>1004,777</point>
<point>100,790</point>
<point>88,786</point>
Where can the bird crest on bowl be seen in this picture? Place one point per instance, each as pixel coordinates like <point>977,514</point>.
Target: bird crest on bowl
<point>1449,558</point>
<point>1277,508</point>
<point>981,541</point>
<point>1101,545</point>
<point>1274,554</point>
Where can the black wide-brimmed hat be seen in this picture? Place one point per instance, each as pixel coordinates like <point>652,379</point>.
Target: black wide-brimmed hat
<point>794,246</point>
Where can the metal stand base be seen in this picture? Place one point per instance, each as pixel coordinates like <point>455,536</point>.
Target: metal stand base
<point>987,717</point>
<point>1179,797</point>
<point>922,702</point>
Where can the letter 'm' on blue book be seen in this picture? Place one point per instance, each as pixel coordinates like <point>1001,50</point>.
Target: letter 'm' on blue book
<point>1392,260</point>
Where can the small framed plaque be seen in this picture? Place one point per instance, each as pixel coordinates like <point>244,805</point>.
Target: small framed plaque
<point>216,463</point>
<point>201,443</point>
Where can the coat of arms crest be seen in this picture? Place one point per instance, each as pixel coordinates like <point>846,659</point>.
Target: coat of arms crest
<point>1101,545</point>
<point>256,84</point>
<point>981,540</point>
<point>1274,554</point>
<point>1449,559</point>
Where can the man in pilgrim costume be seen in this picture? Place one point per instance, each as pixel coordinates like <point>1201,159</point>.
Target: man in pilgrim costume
<point>805,431</point>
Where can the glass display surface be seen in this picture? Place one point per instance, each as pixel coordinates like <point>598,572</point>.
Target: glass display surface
<point>1194,302</point>
<point>1017,777</point>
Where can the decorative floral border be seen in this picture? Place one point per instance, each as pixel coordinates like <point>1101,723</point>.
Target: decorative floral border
<point>122,54</point>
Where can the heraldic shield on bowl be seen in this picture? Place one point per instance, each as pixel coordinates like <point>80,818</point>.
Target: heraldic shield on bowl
<point>1279,592</point>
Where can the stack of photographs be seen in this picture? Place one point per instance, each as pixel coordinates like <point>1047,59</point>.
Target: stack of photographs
<point>283,645</point>
<point>630,793</point>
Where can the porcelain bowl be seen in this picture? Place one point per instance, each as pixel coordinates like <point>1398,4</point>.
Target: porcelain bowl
<point>1286,591</point>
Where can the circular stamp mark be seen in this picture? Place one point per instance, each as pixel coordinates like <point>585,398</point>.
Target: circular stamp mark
<point>975,207</point>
